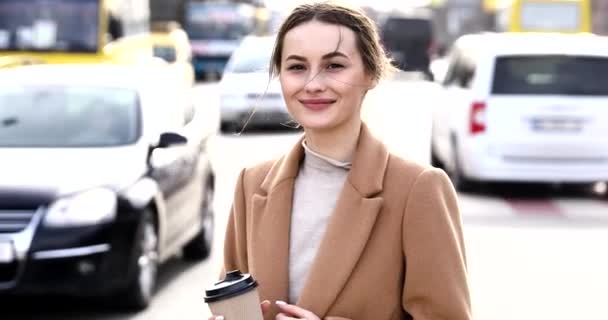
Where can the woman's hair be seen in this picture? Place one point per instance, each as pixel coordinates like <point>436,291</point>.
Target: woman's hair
<point>376,63</point>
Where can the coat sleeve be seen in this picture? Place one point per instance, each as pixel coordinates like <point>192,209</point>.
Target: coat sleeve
<point>435,285</point>
<point>235,240</point>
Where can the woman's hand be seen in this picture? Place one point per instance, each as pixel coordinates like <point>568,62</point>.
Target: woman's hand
<point>289,311</point>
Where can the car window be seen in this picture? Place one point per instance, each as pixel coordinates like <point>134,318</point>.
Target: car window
<point>551,74</point>
<point>167,53</point>
<point>58,116</point>
<point>251,56</point>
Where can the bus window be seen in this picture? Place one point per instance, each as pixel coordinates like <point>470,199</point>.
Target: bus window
<point>559,16</point>
<point>570,16</point>
<point>36,25</point>
<point>219,21</point>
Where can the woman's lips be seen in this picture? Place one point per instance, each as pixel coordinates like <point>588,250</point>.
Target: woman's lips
<point>317,104</point>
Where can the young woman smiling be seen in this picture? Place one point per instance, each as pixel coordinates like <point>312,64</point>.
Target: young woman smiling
<point>339,228</point>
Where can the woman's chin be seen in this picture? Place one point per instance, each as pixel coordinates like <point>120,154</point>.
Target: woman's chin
<point>317,124</point>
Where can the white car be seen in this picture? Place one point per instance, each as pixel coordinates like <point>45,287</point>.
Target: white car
<point>102,179</point>
<point>248,96</point>
<point>524,108</point>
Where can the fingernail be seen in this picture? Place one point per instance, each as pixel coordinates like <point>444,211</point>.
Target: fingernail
<point>219,318</point>
<point>281,302</point>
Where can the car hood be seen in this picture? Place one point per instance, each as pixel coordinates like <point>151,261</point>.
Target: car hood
<point>64,171</point>
<point>252,82</point>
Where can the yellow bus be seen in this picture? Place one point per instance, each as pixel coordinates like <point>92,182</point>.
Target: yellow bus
<point>566,16</point>
<point>75,31</point>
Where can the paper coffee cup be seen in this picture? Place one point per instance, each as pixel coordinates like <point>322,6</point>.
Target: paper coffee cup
<point>236,297</point>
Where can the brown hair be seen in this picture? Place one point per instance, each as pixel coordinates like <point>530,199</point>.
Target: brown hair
<point>376,63</point>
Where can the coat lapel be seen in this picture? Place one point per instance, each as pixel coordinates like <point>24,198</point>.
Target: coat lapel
<point>349,227</point>
<point>271,218</point>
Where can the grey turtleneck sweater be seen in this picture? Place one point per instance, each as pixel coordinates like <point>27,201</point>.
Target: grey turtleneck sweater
<point>317,187</point>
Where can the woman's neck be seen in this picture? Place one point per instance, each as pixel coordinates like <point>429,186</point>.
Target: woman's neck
<point>338,143</point>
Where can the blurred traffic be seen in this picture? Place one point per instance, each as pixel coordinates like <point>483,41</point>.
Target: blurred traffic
<point>124,125</point>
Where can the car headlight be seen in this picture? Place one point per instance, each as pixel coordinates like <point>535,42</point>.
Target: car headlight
<point>86,208</point>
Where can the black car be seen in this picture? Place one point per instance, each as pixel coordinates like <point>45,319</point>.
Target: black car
<point>101,180</point>
<point>409,39</point>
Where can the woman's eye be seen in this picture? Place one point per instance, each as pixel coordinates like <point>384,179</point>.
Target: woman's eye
<point>334,66</point>
<point>296,67</point>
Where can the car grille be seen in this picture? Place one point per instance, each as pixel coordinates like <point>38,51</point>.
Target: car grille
<point>12,221</point>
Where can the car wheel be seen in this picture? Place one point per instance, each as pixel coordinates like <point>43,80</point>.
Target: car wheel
<point>459,180</point>
<point>145,265</point>
<point>199,247</point>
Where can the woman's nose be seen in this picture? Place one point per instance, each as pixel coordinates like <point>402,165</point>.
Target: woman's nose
<point>315,82</point>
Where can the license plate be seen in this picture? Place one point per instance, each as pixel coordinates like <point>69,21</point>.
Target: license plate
<point>557,124</point>
<point>7,254</point>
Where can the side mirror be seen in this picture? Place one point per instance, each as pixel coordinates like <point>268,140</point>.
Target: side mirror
<point>168,139</point>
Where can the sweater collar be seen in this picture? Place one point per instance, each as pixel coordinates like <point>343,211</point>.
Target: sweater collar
<point>320,161</point>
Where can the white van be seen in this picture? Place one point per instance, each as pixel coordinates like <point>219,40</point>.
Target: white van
<point>524,108</point>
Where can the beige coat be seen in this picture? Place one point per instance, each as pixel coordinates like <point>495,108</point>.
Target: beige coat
<point>393,246</point>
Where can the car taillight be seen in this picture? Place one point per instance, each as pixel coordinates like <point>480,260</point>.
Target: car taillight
<point>477,120</point>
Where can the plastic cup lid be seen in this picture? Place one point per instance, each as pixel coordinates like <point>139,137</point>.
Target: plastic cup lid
<point>234,284</point>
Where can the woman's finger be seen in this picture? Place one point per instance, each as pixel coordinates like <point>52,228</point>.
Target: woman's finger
<point>265,305</point>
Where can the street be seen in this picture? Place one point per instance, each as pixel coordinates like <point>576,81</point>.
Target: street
<point>534,252</point>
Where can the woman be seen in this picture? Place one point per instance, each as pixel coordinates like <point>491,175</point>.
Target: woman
<point>339,228</point>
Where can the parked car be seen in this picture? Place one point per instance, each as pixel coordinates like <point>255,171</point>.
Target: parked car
<point>248,96</point>
<point>524,108</point>
<point>102,180</point>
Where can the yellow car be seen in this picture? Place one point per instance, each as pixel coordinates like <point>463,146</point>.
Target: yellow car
<point>171,43</point>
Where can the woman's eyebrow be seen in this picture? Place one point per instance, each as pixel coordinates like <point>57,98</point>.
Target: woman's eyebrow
<point>335,54</point>
<point>295,57</point>
<point>325,56</point>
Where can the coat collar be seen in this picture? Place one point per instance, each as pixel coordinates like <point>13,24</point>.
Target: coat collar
<point>366,175</point>
<point>345,237</point>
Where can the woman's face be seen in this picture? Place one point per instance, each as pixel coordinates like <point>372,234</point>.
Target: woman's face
<point>322,76</point>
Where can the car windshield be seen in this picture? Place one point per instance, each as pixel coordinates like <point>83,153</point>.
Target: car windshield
<point>219,21</point>
<point>49,25</point>
<point>62,116</point>
<point>556,75</point>
<point>251,56</point>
